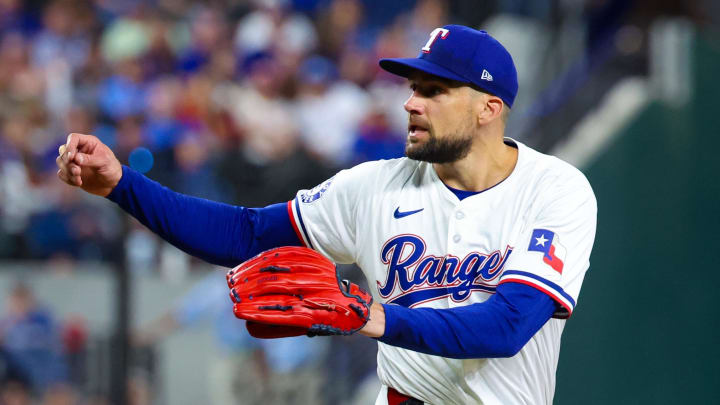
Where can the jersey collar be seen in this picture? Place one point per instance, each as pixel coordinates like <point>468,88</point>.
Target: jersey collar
<point>490,190</point>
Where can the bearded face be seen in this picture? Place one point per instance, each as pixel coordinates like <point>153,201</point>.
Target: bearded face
<point>436,150</point>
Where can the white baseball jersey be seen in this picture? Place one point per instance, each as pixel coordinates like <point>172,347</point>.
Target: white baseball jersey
<point>421,246</point>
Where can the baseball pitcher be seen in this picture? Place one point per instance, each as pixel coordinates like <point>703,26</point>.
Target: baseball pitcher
<point>474,245</point>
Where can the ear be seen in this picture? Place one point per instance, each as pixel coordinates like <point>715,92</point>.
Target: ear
<point>489,109</point>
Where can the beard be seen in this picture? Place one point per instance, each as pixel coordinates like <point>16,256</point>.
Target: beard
<point>448,150</point>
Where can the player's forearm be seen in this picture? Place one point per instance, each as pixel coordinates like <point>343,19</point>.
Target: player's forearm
<point>495,328</point>
<point>217,233</point>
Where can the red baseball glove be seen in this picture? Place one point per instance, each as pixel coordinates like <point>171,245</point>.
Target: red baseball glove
<point>291,291</point>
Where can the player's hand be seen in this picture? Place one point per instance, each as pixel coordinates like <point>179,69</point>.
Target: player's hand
<point>85,162</point>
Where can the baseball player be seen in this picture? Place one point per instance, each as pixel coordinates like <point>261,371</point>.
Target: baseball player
<point>474,245</point>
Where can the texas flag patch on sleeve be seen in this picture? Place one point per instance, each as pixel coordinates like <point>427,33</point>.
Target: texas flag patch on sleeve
<point>548,243</point>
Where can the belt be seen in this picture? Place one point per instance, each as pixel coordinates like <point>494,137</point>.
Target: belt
<point>396,398</point>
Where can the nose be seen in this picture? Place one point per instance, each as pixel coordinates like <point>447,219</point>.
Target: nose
<point>413,104</point>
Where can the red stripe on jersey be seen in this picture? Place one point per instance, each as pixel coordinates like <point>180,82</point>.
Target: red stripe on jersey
<point>294,225</point>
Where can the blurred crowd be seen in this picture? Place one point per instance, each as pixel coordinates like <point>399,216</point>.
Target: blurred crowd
<point>238,101</point>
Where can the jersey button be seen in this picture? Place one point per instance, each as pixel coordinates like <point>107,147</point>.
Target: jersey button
<point>459,215</point>
<point>456,238</point>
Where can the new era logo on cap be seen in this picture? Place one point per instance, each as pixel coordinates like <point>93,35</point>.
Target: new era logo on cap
<point>466,55</point>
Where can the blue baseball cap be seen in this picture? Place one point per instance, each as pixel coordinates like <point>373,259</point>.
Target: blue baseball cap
<point>466,55</point>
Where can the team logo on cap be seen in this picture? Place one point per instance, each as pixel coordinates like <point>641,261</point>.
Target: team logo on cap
<point>437,32</point>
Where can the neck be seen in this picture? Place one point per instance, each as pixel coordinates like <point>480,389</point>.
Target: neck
<point>489,162</point>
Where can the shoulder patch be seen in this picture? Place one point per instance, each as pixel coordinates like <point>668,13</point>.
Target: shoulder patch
<point>316,192</point>
<point>548,243</point>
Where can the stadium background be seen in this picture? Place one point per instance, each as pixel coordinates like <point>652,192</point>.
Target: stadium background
<point>248,101</point>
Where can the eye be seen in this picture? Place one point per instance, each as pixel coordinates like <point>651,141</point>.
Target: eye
<point>434,91</point>
<point>429,90</point>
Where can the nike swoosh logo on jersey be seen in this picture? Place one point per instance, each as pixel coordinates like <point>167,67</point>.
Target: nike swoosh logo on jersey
<point>399,214</point>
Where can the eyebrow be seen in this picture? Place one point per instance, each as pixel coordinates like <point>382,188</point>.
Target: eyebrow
<point>429,79</point>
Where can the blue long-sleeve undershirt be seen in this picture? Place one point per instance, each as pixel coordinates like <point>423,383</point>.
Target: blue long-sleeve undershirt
<point>218,233</point>
<point>227,235</point>
<point>498,327</point>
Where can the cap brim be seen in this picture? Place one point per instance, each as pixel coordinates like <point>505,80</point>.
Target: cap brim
<point>405,66</point>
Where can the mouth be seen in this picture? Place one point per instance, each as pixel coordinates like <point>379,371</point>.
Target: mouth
<point>415,130</point>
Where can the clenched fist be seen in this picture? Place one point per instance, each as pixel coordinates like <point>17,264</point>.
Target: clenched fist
<point>87,163</point>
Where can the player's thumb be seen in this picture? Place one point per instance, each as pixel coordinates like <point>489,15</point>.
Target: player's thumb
<point>86,160</point>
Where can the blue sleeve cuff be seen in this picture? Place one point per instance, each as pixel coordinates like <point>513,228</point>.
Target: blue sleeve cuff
<point>128,177</point>
<point>391,322</point>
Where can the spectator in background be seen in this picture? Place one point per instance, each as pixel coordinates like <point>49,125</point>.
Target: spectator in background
<point>377,140</point>
<point>161,127</point>
<point>159,58</point>
<point>19,197</point>
<point>61,48</point>
<point>259,110</point>
<point>269,161</point>
<point>208,31</point>
<point>356,66</point>
<point>339,26</point>
<point>196,167</point>
<point>30,338</point>
<point>328,111</point>
<point>64,36</point>
<point>273,27</point>
<point>21,87</point>
<point>121,94</point>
